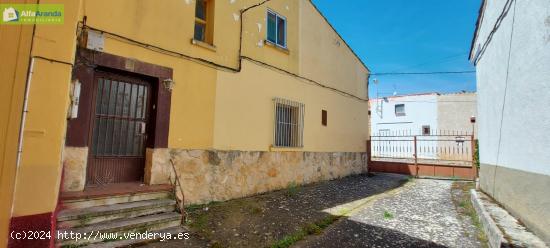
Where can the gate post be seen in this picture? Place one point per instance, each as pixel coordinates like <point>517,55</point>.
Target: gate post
<point>415,157</point>
<point>474,165</point>
<point>369,152</point>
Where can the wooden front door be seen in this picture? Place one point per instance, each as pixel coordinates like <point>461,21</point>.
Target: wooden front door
<point>118,135</point>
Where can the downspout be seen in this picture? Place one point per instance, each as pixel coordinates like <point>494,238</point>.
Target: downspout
<point>24,114</point>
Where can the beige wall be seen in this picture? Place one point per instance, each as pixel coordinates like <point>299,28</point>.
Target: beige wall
<point>454,111</point>
<point>523,193</point>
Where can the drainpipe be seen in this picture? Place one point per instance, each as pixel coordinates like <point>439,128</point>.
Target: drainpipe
<point>24,114</point>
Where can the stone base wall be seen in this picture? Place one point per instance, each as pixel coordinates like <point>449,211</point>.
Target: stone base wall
<point>75,160</point>
<point>209,175</point>
<point>525,195</point>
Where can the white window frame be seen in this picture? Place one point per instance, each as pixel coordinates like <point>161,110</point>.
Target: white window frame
<point>277,15</point>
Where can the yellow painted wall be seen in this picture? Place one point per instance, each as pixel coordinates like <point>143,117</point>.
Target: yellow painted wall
<point>15,49</point>
<point>245,118</point>
<point>199,98</point>
<point>211,108</point>
<point>326,58</point>
<point>313,53</point>
<point>255,32</point>
<point>39,174</point>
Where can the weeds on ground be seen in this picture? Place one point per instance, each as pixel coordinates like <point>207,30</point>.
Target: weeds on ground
<point>388,215</point>
<point>464,207</point>
<point>292,189</point>
<point>309,229</point>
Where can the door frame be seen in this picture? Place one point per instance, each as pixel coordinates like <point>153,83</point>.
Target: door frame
<point>87,63</point>
<point>149,119</point>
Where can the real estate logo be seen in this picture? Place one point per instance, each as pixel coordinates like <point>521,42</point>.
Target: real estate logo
<point>16,14</point>
<point>10,15</point>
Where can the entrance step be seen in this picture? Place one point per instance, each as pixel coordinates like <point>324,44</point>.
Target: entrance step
<point>115,194</point>
<point>113,216</point>
<point>70,218</point>
<point>112,230</point>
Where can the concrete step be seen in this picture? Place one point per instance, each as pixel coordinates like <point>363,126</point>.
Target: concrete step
<point>109,230</point>
<point>114,199</point>
<point>173,231</point>
<point>69,218</point>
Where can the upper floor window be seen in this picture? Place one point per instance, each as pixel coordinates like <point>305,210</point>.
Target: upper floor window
<point>399,109</point>
<point>204,21</point>
<point>276,29</point>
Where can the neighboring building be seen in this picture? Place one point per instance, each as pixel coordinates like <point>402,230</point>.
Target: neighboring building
<point>511,51</point>
<point>243,97</point>
<point>422,114</point>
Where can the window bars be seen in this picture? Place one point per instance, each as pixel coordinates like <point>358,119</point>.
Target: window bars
<point>288,130</point>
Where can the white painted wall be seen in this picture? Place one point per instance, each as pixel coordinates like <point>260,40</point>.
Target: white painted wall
<point>513,83</point>
<point>419,110</point>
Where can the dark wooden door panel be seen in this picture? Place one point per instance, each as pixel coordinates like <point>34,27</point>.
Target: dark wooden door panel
<point>119,129</point>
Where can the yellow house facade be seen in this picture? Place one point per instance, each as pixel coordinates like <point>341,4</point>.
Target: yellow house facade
<point>234,97</point>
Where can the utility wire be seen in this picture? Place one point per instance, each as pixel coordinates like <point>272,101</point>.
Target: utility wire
<point>421,73</point>
<point>436,61</point>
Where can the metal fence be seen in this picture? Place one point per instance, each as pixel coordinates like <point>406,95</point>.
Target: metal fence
<point>443,146</point>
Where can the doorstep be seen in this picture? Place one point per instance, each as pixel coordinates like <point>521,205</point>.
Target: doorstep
<point>114,190</point>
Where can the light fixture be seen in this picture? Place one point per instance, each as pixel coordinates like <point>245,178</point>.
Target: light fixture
<point>168,84</point>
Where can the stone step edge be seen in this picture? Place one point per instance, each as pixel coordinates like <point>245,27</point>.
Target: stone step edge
<point>103,210</point>
<point>494,235</point>
<point>102,197</point>
<point>132,223</point>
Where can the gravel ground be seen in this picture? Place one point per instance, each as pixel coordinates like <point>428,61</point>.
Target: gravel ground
<point>379,211</point>
<point>421,214</point>
<point>262,220</point>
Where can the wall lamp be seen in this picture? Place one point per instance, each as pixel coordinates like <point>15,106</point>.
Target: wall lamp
<point>168,84</point>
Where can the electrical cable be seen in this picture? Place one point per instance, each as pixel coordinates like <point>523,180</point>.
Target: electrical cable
<point>214,64</point>
<point>420,73</point>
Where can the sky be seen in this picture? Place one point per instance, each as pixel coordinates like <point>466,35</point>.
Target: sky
<point>409,36</point>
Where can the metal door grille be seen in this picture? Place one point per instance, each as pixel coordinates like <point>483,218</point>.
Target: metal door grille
<point>289,123</point>
<point>119,129</point>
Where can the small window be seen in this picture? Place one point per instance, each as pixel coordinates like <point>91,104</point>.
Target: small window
<point>289,122</point>
<point>324,118</point>
<point>204,20</point>
<point>426,130</point>
<point>276,29</point>
<point>399,109</point>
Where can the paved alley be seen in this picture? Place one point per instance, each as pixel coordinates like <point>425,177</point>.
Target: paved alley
<point>421,214</point>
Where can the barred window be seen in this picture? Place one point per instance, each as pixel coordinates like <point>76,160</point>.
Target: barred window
<point>289,123</point>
